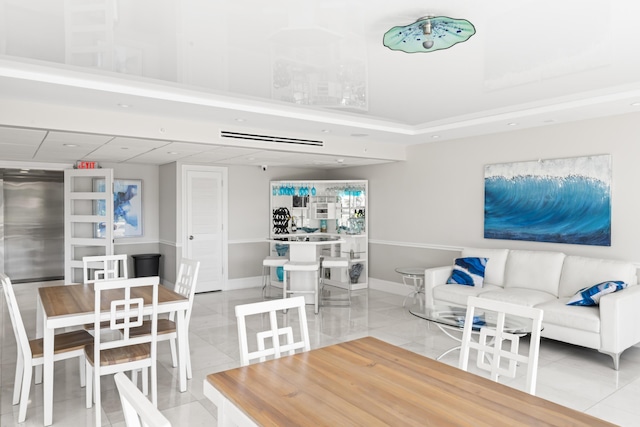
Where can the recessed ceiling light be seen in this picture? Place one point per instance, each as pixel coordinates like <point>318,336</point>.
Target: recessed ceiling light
<point>340,160</point>
<point>550,121</point>
<point>359,135</point>
<point>124,105</point>
<point>512,124</point>
<point>636,104</point>
<point>173,153</point>
<point>435,136</point>
<point>124,148</point>
<point>239,119</point>
<point>325,131</point>
<point>70,145</point>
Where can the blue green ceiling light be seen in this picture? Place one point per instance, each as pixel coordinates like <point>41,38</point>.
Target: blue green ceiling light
<point>428,34</point>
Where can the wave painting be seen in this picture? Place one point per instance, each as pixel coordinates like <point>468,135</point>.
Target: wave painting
<point>558,201</point>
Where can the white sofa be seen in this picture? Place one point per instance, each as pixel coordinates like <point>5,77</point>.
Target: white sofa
<point>547,280</point>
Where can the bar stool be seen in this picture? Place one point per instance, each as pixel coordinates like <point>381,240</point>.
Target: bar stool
<point>335,262</point>
<point>267,264</point>
<point>302,266</point>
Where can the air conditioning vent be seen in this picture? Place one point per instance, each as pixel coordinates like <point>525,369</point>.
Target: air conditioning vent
<point>269,138</point>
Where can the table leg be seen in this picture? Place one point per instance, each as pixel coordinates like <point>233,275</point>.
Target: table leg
<point>182,350</point>
<point>48,375</point>
<point>39,334</point>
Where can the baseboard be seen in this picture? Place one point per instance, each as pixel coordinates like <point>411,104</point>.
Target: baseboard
<point>390,287</point>
<point>377,284</point>
<point>243,283</point>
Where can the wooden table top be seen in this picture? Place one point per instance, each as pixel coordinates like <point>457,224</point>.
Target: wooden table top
<point>368,382</point>
<point>74,299</point>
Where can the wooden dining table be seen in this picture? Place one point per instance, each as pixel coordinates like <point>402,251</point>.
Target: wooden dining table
<point>73,305</point>
<point>368,382</point>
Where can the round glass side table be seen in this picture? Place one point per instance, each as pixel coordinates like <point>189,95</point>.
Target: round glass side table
<point>412,276</point>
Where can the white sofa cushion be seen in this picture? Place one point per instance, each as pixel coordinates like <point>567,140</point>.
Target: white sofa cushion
<point>458,294</point>
<point>496,260</point>
<point>521,296</point>
<point>584,318</point>
<point>580,272</point>
<point>537,270</point>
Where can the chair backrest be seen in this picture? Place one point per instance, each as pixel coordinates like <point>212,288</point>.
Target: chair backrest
<point>137,409</point>
<point>104,267</point>
<point>19,330</point>
<point>121,303</point>
<point>274,332</point>
<point>186,282</point>
<point>490,343</point>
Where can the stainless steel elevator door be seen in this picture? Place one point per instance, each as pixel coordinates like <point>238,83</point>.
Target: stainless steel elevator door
<point>33,225</point>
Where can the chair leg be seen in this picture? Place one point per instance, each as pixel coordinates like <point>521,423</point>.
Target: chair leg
<point>98,397</point>
<point>89,387</point>
<point>24,396</point>
<point>284,287</point>
<point>315,295</point>
<point>145,381</point>
<point>154,383</point>
<point>174,358</point>
<point>82,361</point>
<point>17,383</point>
<point>188,358</point>
<point>264,281</point>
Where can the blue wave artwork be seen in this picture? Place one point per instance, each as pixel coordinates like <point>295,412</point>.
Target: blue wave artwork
<point>558,201</point>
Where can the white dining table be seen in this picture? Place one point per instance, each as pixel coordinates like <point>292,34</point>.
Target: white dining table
<point>73,305</point>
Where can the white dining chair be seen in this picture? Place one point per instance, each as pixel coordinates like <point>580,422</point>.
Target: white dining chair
<point>104,267</point>
<point>67,345</point>
<point>276,339</point>
<point>138,411</point>
<point>490,346</point>
<point>186,286</point>
<point>119,351</point>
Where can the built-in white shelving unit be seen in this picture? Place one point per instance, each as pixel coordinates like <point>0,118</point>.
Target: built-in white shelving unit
<point>329,208</point>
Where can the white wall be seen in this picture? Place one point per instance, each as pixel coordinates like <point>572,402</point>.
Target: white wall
<point>436,198</point>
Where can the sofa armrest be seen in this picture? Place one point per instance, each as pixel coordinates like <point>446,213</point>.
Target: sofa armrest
<point>619,320</point>
<point>433,277</point>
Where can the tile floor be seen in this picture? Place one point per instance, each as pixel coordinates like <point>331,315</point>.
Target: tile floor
<point>579,378</point>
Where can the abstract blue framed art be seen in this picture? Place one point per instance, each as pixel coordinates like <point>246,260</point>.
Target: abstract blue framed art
<point>127,208</point>
<point>557,200</point>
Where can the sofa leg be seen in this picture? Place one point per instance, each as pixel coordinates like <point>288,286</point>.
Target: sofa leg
<point>615,357</point>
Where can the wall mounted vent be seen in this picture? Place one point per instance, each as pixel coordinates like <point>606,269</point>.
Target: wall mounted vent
<point>270,138</point>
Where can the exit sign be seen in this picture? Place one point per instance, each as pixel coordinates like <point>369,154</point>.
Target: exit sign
<point>86,165</point>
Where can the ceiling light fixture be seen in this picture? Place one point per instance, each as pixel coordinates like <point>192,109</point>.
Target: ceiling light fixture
<point>636,104</point>
<point>428,34</point>
<point>70,145</point>
<point>435,136</point>
<point>124,105</point>
<point>512,124</point>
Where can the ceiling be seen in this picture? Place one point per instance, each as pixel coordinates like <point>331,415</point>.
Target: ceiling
<point>311,68</point>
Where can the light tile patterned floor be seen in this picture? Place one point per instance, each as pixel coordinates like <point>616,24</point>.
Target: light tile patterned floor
<point>579,378</point>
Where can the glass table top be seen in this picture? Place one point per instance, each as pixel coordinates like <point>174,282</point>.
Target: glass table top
<point>411,271</point>
<point>454,316</point>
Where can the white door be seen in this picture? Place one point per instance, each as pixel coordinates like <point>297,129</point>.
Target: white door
<point>204,224</point>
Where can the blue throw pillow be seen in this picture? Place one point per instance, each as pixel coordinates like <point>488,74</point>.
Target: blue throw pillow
<point>591,294</point>
<point>468,271</point>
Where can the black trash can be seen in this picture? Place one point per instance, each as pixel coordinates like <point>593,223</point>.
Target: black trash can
<point>145,265</point>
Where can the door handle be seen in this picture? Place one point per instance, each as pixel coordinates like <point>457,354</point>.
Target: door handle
<point>190,237</point>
